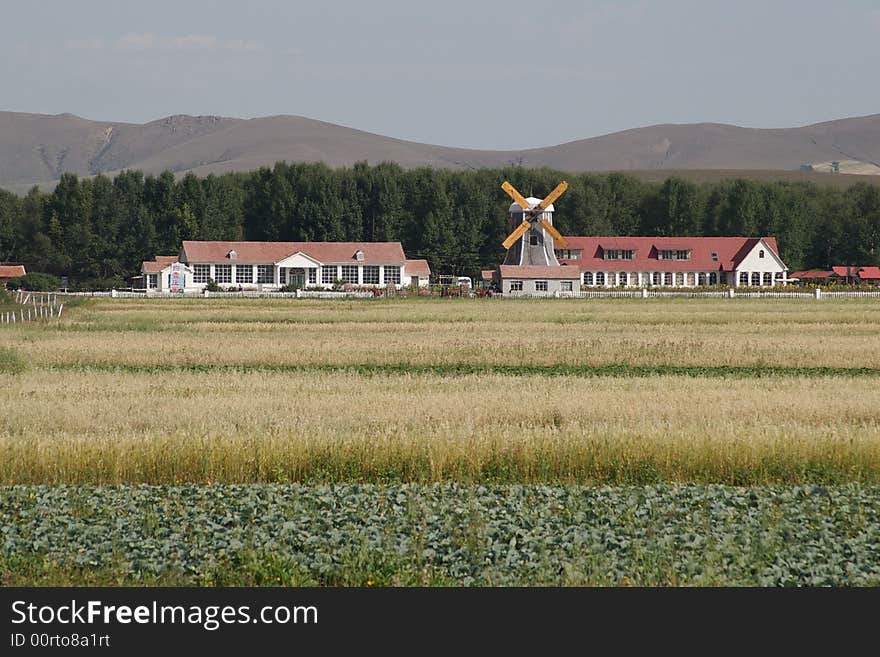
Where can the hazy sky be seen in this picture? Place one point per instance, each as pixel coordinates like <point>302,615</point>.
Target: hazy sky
<point>477,74</point>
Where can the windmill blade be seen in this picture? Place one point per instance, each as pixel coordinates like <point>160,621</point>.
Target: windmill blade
<point>516,234</point>
<point>515,195</point>
<point>555,194</point>
<point>557,236</point>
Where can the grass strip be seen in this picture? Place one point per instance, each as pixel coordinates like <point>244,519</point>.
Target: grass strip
<point>447,370</point>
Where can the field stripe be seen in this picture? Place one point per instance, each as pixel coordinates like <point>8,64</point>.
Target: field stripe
<point>585,371</point>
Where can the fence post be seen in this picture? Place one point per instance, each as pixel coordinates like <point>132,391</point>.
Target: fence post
<point>731,293</point>
<point>60,308</point>
<point>818,293</point>
<point>644,293</point>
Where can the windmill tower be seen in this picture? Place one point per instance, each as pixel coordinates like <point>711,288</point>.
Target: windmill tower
<point>533,236</point>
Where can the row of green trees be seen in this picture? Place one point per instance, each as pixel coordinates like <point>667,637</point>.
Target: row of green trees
<point>98,228</point>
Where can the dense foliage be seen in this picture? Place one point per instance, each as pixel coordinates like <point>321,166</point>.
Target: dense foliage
<point>356,534</point>
<point>34,281</point>
<point>100,228</point>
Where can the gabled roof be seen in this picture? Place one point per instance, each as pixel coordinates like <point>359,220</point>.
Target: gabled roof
<point>539,271</point>
<point>729,252</point>
<point>158,265</point>
<point>418,268</point>
<point>12,271</point>
<point>255,253</point>
<point>869,273</point>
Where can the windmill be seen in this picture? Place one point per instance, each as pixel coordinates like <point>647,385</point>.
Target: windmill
<point>531,219</point>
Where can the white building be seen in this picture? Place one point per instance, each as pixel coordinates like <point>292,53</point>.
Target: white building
<point>674,261</point>
<point>272,265</point>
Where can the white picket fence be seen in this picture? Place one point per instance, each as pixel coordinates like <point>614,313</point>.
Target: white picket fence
<point>33,306</point>
<point>244,294</point>
<point>731,293</point>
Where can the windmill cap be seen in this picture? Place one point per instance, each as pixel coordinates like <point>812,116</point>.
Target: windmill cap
<point>515,207</point>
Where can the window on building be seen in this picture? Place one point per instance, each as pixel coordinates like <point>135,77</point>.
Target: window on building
<point>358,255</point>
<point>392,274</point>
<point>674,254</point>
<point>566,286</point>
<point>223,273</point>
<point>244,274</point>
<point>282,275</point>
<point>679,278</point>
<point>701,278</point>
<point>371,274</point>
<point>690,279</point>
<point>623,278</point>
<point>779,276</point>
<point>313,275</point>
<point>540,286</point>
<point>768,278</point>
<point>656,278</point>
<point>588,278</point>
<point>328,274</point>
<point>201,273</point>
<point>761,253</point>
<point>714,256</point>
<point>533,239</point>
<point>350,274</point>
<point>713,278</point>
<point>600,278</point>
<point>744,278</point>
<point>619,254</point>
<point>153,281</point>
<point>756,278</point>
<point>265,274</point>
<point>667,278</point>
<point>516,286</point>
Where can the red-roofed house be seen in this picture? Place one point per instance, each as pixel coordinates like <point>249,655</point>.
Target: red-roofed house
<point>851,275</point>
<point>869,275</point>
<point>10,271</point>
<point>271,265</point>
<point>674,261</point>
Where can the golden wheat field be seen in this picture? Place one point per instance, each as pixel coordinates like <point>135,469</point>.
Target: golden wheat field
<point>591,391</point>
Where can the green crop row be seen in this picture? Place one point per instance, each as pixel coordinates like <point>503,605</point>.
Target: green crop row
<point>440,534</point>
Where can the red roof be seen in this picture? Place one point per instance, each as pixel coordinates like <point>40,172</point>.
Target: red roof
<point>488,274</point>
<point>418,268</point>
<point>11,271</point>
<point>869,273</point>
<point>812,274</point>
<point>254,253</point>
<point>845,272</point>
<point>729,252</point>
<point>158,264</point>
<point>538,271</point>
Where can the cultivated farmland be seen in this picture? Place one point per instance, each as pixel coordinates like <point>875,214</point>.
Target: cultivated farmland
<point>451,407</point>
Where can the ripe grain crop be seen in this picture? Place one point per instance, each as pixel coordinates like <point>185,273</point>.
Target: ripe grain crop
<point>587,391</point>
<point>695,333</point>
<point>103,427</point>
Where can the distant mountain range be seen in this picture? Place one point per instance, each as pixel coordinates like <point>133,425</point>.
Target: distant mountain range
<point>38,148</point>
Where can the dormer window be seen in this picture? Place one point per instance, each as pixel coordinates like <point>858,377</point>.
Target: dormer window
<point>674,254</point>
<point>358,255</point>
<point>232,255</point>
<point>619,254</point>
<point>714,256</point>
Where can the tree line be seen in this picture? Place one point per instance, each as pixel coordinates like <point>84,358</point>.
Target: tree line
<point>99,229</point>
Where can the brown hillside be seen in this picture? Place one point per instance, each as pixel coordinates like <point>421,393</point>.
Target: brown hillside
<point>37,149</point>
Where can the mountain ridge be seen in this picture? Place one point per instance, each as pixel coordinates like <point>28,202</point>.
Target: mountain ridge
<point>38,148</point>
